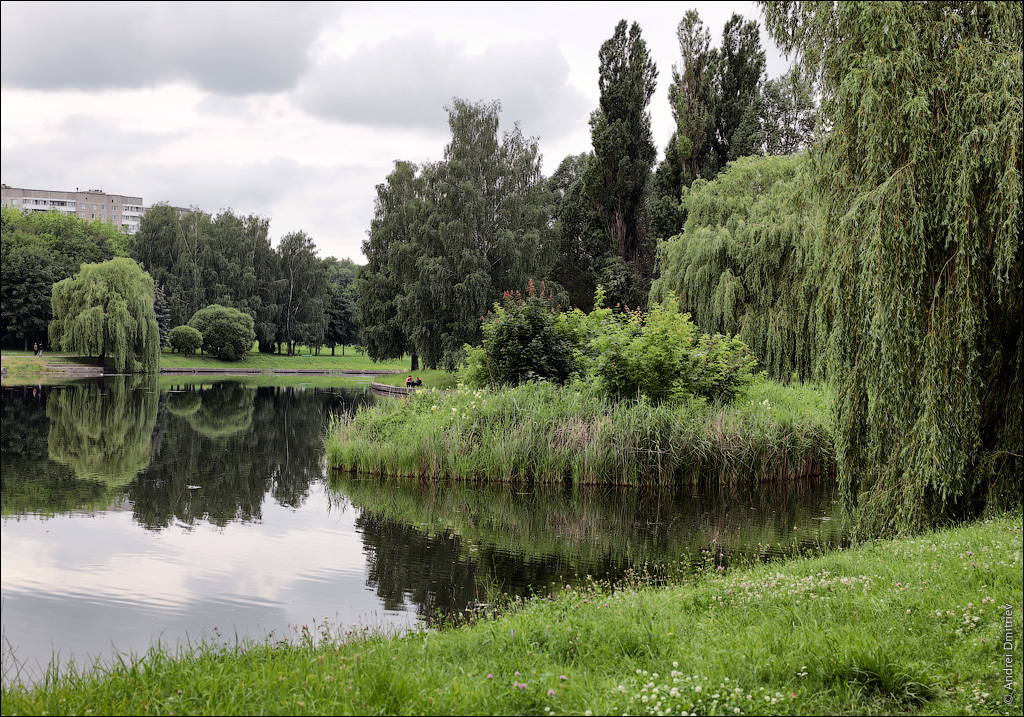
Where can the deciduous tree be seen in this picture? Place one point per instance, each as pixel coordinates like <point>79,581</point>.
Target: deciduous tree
<point>921,176</point>
<point>106,310</point>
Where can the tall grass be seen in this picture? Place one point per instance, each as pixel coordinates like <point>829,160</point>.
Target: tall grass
<point>543,433</point>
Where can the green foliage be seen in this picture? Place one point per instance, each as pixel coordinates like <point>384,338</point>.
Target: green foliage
<point>304,296</point>
<point>36,250</point>
<point>163,316</point>
<point>745,264</point>
<point>624,151</point>
<point>524,339</point>
<point>722,112</point>
<point>661,356</point>
<point>342,325</point>
<point>200,260</point>
<point>186,339</point>
<point>106,310</point>
<point>226,333</point>
<point>444,245</point>
<point>580,242</point>
<point>921,182</point>
<point>26,278</point>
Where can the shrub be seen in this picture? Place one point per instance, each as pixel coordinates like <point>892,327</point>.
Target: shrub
<point>227,333</point>
<point>661,356</point>
<point>524,338</point>
<point>186,339</point>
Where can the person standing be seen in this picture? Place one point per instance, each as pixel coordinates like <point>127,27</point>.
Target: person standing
<point>35,349</point>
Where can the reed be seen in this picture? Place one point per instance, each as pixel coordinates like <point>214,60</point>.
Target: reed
<point>543,433</point>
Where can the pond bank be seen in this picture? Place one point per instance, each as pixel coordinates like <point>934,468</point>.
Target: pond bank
<point>543,433</point>
<point>907,626</point>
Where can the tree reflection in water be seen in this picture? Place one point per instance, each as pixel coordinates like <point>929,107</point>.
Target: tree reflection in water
<point>265,440</point>
<point>445,546</point>
<point>102,430</point>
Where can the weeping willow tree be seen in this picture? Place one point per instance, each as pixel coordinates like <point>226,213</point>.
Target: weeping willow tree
<point>920,174</point>
<point>744,263</point>
<point>104,431</point>
<point>106,310</point>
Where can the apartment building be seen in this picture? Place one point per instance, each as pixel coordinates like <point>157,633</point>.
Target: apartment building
<point>118,209</point>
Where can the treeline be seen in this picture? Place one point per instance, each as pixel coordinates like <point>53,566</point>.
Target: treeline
<point>293,296</point>
<point>36,251</point>
<point>449,238</point>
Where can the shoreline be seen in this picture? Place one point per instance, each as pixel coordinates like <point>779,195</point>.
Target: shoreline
<point>913,625</point>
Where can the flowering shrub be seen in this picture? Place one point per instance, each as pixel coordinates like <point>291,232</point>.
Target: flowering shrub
<point>525,338</point>
<point>658,355</point>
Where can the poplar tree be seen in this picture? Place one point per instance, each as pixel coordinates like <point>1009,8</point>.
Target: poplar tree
<point>718,110</point>
<point>624,152</point>
<point>106,310</point>
<point>920,174</point>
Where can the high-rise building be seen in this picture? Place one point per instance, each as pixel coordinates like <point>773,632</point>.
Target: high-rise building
<point>117,209</point>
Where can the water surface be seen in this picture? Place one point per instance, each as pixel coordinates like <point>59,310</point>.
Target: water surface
<point>136,511</point>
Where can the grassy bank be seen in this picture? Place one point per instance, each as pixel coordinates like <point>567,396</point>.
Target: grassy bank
<point>547,434</point>
<point>910,626</point>
<point>432,378</point>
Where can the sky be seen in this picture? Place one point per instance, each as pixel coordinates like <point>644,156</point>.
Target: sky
<point>296,111</point>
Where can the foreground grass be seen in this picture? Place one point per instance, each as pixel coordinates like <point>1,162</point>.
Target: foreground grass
<point>544,433</point>
<point>910,626</point>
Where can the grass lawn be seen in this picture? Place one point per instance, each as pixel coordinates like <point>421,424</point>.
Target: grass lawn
<point>302,360</point>
<point>907,626</point>
<point>432,378</point>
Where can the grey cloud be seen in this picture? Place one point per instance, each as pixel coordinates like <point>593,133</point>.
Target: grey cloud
<point>86,153</point>
<point>231,48</point>
<point>407,82</point>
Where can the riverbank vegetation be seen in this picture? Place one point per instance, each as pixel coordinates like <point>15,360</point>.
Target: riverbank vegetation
<point>540,432</point>
<point>908,626</point>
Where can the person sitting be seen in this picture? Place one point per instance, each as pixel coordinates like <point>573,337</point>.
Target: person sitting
<point>409,382</point>
<point>418,382</point>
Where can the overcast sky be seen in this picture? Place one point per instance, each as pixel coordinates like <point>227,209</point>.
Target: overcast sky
<point>296,111</point>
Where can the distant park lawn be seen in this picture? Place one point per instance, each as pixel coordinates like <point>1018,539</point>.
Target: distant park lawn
<point>352,360</point>
<point>25,362</point>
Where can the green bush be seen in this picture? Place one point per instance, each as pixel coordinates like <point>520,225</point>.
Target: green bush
<point>661,355</point>
<point>227,333</point>
<point>525,338</point>
<point>186,339</point>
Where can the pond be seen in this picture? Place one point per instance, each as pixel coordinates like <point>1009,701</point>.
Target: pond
<point>138,511</point>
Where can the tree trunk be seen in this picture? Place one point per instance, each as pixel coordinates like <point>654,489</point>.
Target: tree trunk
<point>415,362</point>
